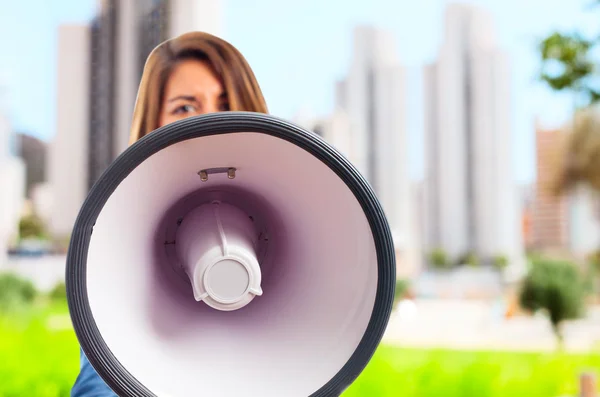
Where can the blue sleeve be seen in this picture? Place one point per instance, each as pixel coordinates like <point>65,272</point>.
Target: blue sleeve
<point>89,383</point>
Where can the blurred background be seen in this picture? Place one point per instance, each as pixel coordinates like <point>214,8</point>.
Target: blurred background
<point>476,122</point>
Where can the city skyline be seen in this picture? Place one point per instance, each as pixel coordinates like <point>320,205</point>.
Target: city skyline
<point>328,39</point>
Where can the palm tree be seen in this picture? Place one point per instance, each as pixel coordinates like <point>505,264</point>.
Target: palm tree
<point>580,162</point>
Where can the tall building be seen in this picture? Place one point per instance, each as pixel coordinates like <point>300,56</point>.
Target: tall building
<point>472,198</point>
<point>33,152</point>
<point>12,184</point>
<point>69,151</point>
<point>334,129</point>
<point>550,213</point>
<point>122,36</point>
<point>106,60</point>
<point>373,97</point>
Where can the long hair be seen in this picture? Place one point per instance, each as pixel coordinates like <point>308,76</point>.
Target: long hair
<point>236,76</point>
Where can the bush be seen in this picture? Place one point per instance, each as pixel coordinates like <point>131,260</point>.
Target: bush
<point>557,288</point>
<point>470,259</point>
<point>500,262</point>
<point>439,259</point>
<point>31,226</point>
<point>59,292</point>
<point>402,287</point>
<point>15,292</point>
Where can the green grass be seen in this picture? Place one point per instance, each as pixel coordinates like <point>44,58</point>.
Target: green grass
<point>39,353</point>
<point>447,373</point>
<point>39,357</point>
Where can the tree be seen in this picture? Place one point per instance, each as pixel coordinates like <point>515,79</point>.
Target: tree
<point>15,292</point>
<point>470,259</point>
<point>580,163</point>
<point>500,262</point>
<point>31,226</point>
<point>439,259</point>
<point>557,288</point>
<point>568,64</point>
<point>402,289</point>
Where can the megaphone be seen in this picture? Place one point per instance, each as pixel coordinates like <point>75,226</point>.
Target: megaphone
<point>230,254</point>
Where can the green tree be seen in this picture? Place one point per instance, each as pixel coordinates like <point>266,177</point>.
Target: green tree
<point>470,259</point>
<point>59,292</point>
<point>439,259</point>
<point>569,64</point>
<point>15,292</point>
<point>31,226</point>
<point>402,288</point>
<point>500,262</point>
<point>556,288</point>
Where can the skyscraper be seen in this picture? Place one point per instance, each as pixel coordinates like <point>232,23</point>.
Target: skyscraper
<point>12,185</point>
<point>373,97</point>
<point>472,198</point>
<point>110,55</point>
<point>69,150</point>
<point>122,36</point>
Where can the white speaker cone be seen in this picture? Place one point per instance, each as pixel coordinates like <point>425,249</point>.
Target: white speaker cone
<point>305,231</point>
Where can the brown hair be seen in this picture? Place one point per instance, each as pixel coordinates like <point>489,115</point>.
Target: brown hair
<point>242,89</point>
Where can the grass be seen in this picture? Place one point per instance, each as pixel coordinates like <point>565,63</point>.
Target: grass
<point>40,358</point>
<point>39,353</point>
<point>447,373</point>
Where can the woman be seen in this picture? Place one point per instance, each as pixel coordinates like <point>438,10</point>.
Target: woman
<point>195,73</point>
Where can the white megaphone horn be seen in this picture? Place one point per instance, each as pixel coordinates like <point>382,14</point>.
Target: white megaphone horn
<point>230,254</point>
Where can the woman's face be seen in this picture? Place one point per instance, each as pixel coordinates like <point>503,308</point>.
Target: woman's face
<point>192,89</point>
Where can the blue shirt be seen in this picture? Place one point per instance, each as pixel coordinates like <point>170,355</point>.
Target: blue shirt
<point>89,383</point>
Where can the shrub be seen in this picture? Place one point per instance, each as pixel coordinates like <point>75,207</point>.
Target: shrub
<point>59,292</point>
<point>439,259</point>
<point>31,226</point>
<point>555,287</point>
<point>402,287</point>
<point>500,262</point>
<point>15,292</point>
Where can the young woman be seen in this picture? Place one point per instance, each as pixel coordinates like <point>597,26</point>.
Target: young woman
<point>195,73</point>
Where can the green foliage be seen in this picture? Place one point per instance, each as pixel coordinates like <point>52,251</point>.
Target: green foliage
<point>568,65</point>
<point>470,259</point>
<point>15,292</point>
<point>500,262</point>
<point>419,372</point>
<point>31,226</point>
<point>555,287</point>
<point>402,287</point>
<point>439,259</point>
<point>59,292</point>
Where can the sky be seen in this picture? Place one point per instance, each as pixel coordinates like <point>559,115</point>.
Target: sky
<point>299,49</point>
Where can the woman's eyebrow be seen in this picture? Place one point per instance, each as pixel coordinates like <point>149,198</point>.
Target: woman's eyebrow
<point>184,97</point>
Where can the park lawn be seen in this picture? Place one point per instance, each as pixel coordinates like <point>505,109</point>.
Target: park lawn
<point>406,372</point>
<point>39,357</point>
<point>39,353</point>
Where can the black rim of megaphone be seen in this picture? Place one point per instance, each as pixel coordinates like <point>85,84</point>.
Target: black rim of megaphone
<point>92,343</point>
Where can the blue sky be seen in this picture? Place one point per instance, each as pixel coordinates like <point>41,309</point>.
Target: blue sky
<point>298,49</point>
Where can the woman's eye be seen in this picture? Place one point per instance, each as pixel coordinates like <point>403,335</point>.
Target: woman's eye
<point>184,109</point>
<point>223,107</point>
